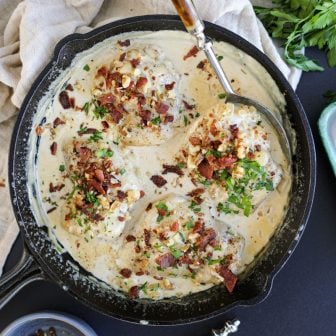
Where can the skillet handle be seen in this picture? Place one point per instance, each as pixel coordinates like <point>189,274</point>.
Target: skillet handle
<point>25,272</point>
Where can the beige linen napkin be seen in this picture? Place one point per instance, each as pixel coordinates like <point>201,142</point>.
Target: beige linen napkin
<point>30,29</point>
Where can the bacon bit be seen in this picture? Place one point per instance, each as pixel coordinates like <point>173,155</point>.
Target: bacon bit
<point>198,200</point>
<point>137,249</point>
<point>198,227</point>
<point>116,115</point>
<point>251,155</point>
<point>188,106</point>
<point>264,136</point>
<point>121,219</point>
<point>185,259</point>
<point>170,86</point>
<point>147,236</point>
<point>135,62</point>
<point>103,71</point>
<point>69,87</point>
<point>116,76</point>
<point>172,169</point>
<point>54,188</point>
<point>142,193</point>
<point>213,128</point>
<point>162,212</point>
<point>99,174</point>
<point>38,130</point>
<point>140,273</point>
<point>142,81</point>
<point>196,192</point>
<point>257,148</point>
<point>53,148</point>
<point>166,260</point>
<point>205,169</point>
<point>191,53</point>
<point>168,118</point>
<point>174,227</point>
<point>121,195</point>
<point>230,279</point>
<point>195,141</point>
<point>98,187</point>
<point>106,99</point>
<point>149,206</point>
<point>130,238</point>
<point>234,130</point>
<point>158,180</point>
<point>64,100</point>
<point>51,210</point>
<point>145,115</point>
<point>84,153</point>
<point>115,185</point>
<point>58,122</point>
<point>206,237</point>
<point>125,43</point>
<point>161,108</point>
<point>87,131</point>
<point>122,57</point>
<point>226,161</point>
<point>125,272</point>
<point>201,65</point>
<point>215,144</point>
<point>105,124</point>
<point>134,292</point>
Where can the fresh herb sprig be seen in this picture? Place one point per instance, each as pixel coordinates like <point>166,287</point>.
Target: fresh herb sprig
<point>302,23</point>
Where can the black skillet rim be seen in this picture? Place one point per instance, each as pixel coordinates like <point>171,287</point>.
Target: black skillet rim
<point>80,292</point>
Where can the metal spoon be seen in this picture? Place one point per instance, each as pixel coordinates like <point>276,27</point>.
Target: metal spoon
<point>195,26</point>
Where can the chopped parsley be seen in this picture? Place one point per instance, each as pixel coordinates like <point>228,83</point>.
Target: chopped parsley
<point>100,111</point>
<point>222,95</point>
<point>86,67</point>
<point>122,171</point>
<point>175,252</point>
<point>189,224</point>
<point>186,120</point>
<point>220,57</point>
<point>156,121</point>
<point>103,153</point>
<point>162,206</point>
<point>96,136</point>
<point>194,206</point>
<point>61,168</point>
<point>91,198</point>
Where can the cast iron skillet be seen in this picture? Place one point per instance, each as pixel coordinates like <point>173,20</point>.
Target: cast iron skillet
<point>41,260</point>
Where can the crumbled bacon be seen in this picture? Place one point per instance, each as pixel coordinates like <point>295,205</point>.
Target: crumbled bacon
<point>196,192</point>
<point>142,193</point>
<point>134,292</point>
<point>188,106</point>
<point>64,100</point>
<point>174,227</point>
<point>87,131</point>
<point>58,122</point>
<point>205,169</point>
<point>105,124</point>
<point>130,238</point>
<point>170,86</point>
<point>234,130</point>
<point>165,260</point>
<point>125,272</point>
<point>195,141</point>
<point>84,153</point>
<point>54,188</point>
<point>213,128</point>
<point>149,206</point>
<point>161,108</point>
<point>121,195</point>
<point>145,115</point>
<point>172,169</point>
<point>226,161</point>
<point>99,174</point>
<point>206,237</point>
<point>230,279</point>
<point>106,99</point>
<point>135,62</point>
<point>98,187</point>
<point>201,65</point>
<point>191,53</point>
<point>122,57</point>
<point>142,81</point>
<point>257,147</point>
<point>125,43</point>
<point>121,218</point>
<point>116,114</point>
<point>53,148</point>
<point>147,236</point>
<point>168,118</point>
<point>69,87</point>
<point>158,180</point>
<point>198,227</point>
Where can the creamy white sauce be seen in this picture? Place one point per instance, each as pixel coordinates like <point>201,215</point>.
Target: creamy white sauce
<point>101,255</point>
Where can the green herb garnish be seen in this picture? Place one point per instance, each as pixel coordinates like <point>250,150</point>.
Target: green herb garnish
<point>86,67</point>
<point>156,121</point>
<point>222,95</point>
<point>194,206</point>
<point>61,168</point>
<point>100,111</point>
<point>103,153</point>
<point>96,136</point>
<point>220,57</point>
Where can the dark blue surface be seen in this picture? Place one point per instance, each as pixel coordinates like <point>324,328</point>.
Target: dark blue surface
<point>303,298</point>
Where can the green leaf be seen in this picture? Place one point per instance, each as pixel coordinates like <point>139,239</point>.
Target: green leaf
<point>61,168</point>
<point>176,253</point>
<point>100,111</point>
<point>96,136</point>
<point>103,153</point>
<point>189,224</point>
<point>156,121</point>
<point>86,67</point>
<point>222,95</point>
<point>162,206</point>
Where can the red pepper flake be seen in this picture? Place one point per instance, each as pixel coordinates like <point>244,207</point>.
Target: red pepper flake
<point>188,106</point>
<point>64,100</point>
<point>230,279</point>
<point>58,122</point>
<point>205,169</point>
<point>54,188</point>
<point>53,148</point>
<point>195,141</point>
<point>135,62</point>
<point>147,236</point>
<point>161,108</point>
<point>191,53</point>
<point>172,169</point>
<point>125,272</point>
<point>166,260</point>
<point>142,81</point>
<point>170,86</point>
<point>158,180</point>
<point>130,238</point>
<point>196,192</point>
<point>134,292</point>
<point>125,43</point>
